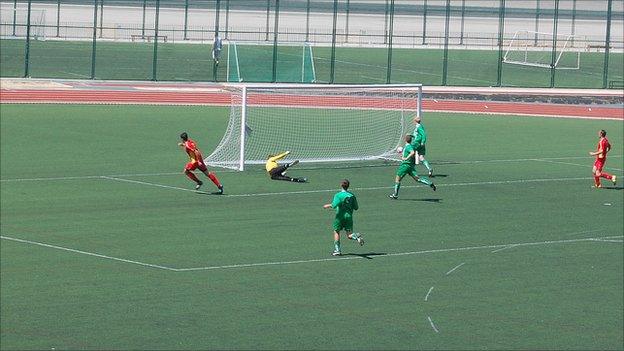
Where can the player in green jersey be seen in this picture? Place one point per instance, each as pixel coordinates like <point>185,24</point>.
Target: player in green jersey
<point>419,140</point>
<point>344,203</point>
<point>408,167</point>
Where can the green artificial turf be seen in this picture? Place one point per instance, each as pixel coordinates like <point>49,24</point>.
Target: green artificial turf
<point>504,255</point>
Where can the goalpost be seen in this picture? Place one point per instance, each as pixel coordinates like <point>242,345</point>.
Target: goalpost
<point>253,62</point>
<point>535,49</point>
<point>317,123</point>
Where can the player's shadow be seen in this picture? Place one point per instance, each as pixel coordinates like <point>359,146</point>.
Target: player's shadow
<point>421,200</point>
<point>439,175</point>
<point>209,193</point>
<point>613,187</point>
<point>368,256</point>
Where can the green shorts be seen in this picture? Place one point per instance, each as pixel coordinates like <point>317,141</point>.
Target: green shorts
<point>343,223</point>
<point>422,150</point>
<point>405,169</point>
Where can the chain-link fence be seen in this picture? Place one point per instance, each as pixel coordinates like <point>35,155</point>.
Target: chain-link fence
<point>533,43</point>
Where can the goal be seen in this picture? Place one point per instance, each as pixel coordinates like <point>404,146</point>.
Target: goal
<point>535,49</point>
<point>13,23</point>
<point>317,123</point>
<point>253,62</point>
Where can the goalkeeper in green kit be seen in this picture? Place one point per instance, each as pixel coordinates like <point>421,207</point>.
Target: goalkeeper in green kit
<point>408,167</point>
<point>418,142</point>
<point>345,203</point>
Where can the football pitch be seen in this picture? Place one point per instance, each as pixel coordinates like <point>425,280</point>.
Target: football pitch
<point>106,245</point>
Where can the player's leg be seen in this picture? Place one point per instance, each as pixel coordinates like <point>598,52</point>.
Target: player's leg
<point>606,175</point>
<point>188,171</point>
<point>423,180</point>
<point>277,173</point>
<point>355,236</point>
<point>337,227</point>
<point>596,171</point>
<point>211,176</point>
<point>397,183</point>
<point>422,151</point>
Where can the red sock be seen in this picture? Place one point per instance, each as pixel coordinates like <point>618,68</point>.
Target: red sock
<point>193,177</point>
<point>214,179</point>
<point>597,180</point>
<point>606,176</point>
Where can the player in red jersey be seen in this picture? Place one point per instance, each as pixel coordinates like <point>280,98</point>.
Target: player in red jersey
<point>196,162</point>
<point>601,158</point>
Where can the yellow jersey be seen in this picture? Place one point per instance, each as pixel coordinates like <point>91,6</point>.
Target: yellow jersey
<point>272,161</point>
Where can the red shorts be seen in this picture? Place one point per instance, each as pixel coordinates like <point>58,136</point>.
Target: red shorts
<point>599,164</point>
<point>191,166</point>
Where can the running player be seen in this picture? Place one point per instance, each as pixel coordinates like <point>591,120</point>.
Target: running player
<point>196,162</point>
<point>601,158</point>
<point>408,167</point>
<point>344,203</point>
<point>277,172</point>
<point>419,139</point>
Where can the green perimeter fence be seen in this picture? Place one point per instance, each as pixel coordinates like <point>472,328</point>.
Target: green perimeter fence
<point>532,43</point>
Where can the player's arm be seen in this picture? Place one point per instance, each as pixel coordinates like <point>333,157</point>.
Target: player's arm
<point>410,155</point>
<point>597,152</point>
<point>279,157</point>
<point>355,203</point>
<point>334,203</point>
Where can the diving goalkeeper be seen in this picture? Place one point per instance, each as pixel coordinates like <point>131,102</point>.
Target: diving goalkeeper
<point>277,172</point>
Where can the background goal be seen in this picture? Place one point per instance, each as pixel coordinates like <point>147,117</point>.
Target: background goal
<point>327,123</point>
<point>535,49</point>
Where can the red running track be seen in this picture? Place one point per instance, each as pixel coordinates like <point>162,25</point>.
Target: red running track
<point>220,98</point>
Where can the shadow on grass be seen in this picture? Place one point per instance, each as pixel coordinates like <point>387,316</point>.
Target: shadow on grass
<point>438,176</point>
<point>366,255</point>
<point>421,200</point>
<point>613,187</point>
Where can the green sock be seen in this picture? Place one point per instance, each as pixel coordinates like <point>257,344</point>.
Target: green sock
<point>424,180</point>
<point>354,236</point>
<point>397,186</point>
<point>426,163</point>
<point>337,245</point>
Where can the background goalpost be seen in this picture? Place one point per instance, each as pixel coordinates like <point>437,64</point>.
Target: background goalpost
<point>317,123</point>
<point>535,49</point>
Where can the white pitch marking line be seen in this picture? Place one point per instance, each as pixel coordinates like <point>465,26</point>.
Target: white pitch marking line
<point>432,325</point>
<point>504,248</point>
<point>575,164</point>
<point>609,241</point>
<point>276,263</point>
<point>87,253</point>
<point>498,182</point>
<point>452,270</point>
<point>428,292</point>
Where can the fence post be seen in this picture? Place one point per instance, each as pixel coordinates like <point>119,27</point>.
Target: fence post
<point>553,56</point>
<point>573,20</point>
<point>58,17</point>
<point>227,18</point>
<point>386,23</point>
<point>307,21</point>
<point>216,34</point>
<point>463,13</point>
<point>424,30</point>
<point>93,46</point>
<point>347,21</point>
<point>275,32</point>
<point>266,38</point>
<point>605,72</point>
<point>155,58</point>
<point>143,26</point>
<point>501,33</point>
<point>27,53</point>
<point>101,16</point>
<point>390,35</point>
<point>447,19</point>
<point>332,64</point>
<point>537,16</point>
<point>14,15</point>
<point>185,19</point>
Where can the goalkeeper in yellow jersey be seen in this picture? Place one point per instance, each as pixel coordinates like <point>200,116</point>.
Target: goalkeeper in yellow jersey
<point>277,172</point>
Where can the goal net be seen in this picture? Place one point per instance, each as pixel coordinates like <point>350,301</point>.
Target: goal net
<point>328,123</point>
<point>250,62</point>
<point>528,48</point>
<point>14,23</point>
